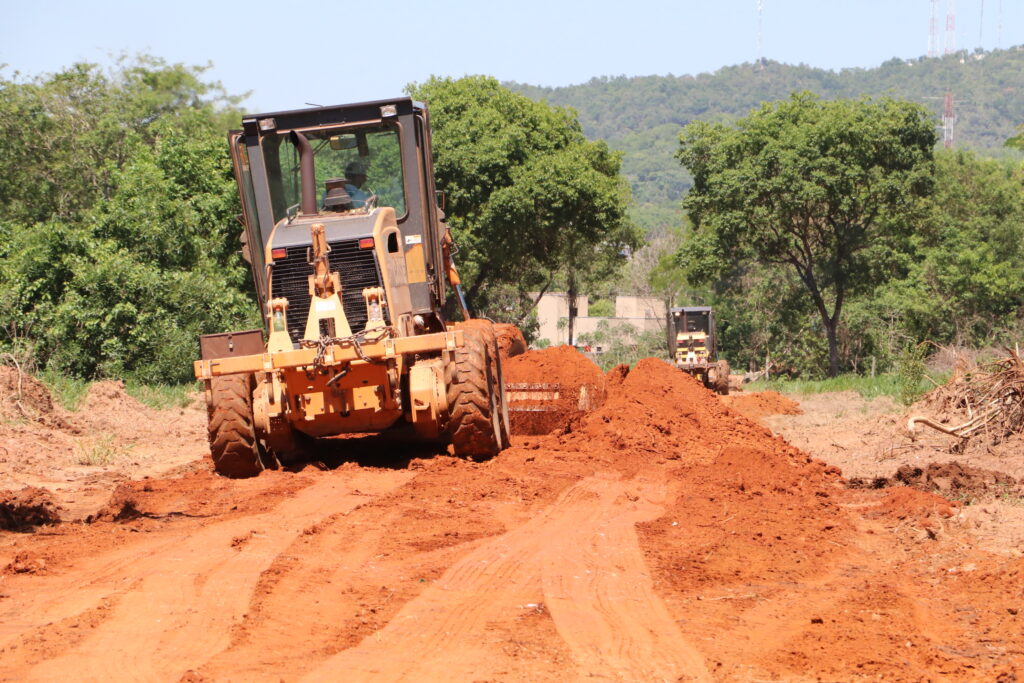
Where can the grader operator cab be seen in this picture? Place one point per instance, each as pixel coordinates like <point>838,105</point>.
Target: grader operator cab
<point>693,346</point>
<point>351,263</point>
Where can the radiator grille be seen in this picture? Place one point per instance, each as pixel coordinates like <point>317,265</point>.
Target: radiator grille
<point>357,267</point>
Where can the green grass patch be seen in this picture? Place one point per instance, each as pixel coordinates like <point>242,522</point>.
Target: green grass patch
<point>67,391</point>
<point>888,384</point>
<point>162,396</point>
<point>99,452</point>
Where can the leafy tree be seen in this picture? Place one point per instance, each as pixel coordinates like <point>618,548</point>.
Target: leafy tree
<point>118,241</point>
<point>1017,140</point>
<point>530,201</point>
<point>962,283</point>
<point>826,189</point>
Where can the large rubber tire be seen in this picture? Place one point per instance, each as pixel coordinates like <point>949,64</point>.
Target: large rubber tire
<point>233,443</point>
<point>475,424</point>
<point>722,378</point>
<point>496,378</point>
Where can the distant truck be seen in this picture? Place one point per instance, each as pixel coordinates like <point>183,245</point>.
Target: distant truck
<point>693,346</point>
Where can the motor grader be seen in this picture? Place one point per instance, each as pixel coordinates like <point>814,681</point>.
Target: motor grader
<point>693,346</point>
<point>351,262</point>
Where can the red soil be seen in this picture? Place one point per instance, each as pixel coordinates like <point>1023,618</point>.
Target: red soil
<point>573,386</point>
<point>660,536</point>
<point>762,403</point>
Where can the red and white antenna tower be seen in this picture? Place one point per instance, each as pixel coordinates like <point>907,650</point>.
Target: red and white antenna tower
<point>933,31</point>
<point>948,121</point>
<point>950,27</point>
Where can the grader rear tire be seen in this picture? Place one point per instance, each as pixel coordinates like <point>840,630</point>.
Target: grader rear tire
<point>476,423</point>
<point>233,444</point>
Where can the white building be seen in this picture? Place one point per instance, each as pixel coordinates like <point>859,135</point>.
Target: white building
<point>644,313</point>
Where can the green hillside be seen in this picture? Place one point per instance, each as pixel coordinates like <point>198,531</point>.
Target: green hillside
<point>641,116</point>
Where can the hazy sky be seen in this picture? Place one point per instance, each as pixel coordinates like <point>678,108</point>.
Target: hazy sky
<point>290,53</point>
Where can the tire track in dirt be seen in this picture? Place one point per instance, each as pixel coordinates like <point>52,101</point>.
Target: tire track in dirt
<point>581,558</point>
<point>602,598</point>
<point>187,594</point>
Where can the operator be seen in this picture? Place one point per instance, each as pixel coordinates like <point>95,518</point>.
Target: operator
<point>355,178</point>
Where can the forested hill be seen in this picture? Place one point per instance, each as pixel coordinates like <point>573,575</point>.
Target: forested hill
<point>641,116</point>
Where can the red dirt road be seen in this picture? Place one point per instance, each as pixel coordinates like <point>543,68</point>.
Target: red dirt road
<point>661,537</point>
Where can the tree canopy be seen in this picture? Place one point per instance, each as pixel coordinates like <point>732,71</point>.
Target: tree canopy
<point>118,239</point>
<point>825,188</point>
<point>529,199</point>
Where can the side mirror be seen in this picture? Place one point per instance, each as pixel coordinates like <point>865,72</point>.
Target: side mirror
<point>439,197</point>
<point>340,142</point>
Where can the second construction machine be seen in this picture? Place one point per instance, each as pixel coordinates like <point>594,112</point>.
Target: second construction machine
<point>351,263</point>
<point>693,346</point>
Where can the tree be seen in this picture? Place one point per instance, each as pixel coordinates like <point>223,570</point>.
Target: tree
<point>530,201</point>
<point>118,239</point>
<point>963,284</point>
<point>826,188</point>
<point>1017,141</point>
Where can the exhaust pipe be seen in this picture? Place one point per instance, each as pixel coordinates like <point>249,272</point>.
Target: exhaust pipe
<point>307,174</point>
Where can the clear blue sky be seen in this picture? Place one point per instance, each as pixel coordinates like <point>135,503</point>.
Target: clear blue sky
<point>290,53</point>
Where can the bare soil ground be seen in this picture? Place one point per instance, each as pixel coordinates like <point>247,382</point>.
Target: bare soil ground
<point>662,536</point>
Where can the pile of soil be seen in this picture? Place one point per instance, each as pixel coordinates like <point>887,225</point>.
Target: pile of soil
<point>511,341</point>
<point>551,389</point>
<point>23,397</point>
<point>656,410</point>
<point>947,479</point>
<point>107,405</point>
<point>27,508</point>
<point>762,403</point>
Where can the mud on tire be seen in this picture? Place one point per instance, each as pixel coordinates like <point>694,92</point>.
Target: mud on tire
<point>477,422</point>
<point>233,444</point>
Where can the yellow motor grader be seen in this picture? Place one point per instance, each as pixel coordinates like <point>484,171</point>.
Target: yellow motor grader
<point>693,346</point>
<point>351,262</point>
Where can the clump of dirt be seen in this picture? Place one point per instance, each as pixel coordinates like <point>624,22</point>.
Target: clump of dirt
<point>762,403</point>
<point>551,389</point>
<point>511,341</point>
<point>25,563</point>
<point>27,508</point>
<point>23,397</point>
<point>947,479</point>
<point>615,377</point>
<point>920,507</point>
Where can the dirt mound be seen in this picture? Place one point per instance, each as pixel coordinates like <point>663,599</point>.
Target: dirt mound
<point>921,507</point>
<point>550,389</point>
<point>511,341</point>
<point>109,396</point>
<point>615,377</point>
<point>659,411</point>
<point>23,396</point>
<point>108,407</point>
<point>27,508</point>
<point>947,479</point>
<point>762,403</point>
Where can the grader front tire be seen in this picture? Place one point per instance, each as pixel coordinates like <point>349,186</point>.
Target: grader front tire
<point>475,423</point>
<point>233,443</point>
<point>722,378</point>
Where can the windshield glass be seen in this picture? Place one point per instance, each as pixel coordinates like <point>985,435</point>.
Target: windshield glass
<point>356,169</point>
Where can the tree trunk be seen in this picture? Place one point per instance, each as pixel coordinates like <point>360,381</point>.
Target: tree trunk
<point>572,306</point>
<point>833,346</point>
